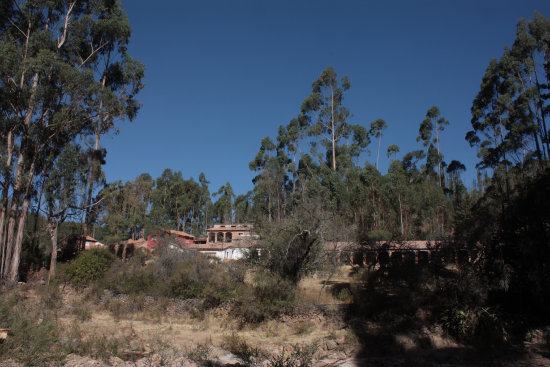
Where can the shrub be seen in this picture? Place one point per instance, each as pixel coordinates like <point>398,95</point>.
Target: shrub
<point>34,338</point>
<point>269,297</point>
<point>301,356</point>
<point>241,349</point>
<point>88,266</point>
<point>200,355</point>
<point>95,346</point>
<point>481,327</point>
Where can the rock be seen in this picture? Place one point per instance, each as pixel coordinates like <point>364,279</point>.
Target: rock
<point>10,363</point>
<point>329,344</point>
<point>73,360</point>
<point>116,362</point>
<point>134,345</point>
<point>181,362</point>
<point>288,348</point>
<point>153,361</point>
<point>227,359</point>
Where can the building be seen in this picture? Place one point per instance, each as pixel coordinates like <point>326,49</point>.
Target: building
<point>171,237</point>
<point>235,234</point>
<point>229,241</point>
<point>91,243</point>
<point>224,241</point>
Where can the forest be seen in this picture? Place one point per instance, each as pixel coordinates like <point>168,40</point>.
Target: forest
<point>67,80</point>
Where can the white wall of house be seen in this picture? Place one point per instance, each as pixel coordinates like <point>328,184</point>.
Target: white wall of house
<point>231,253</point>
<point>90,245</point>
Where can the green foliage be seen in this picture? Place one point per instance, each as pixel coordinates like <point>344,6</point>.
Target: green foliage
<point>269,297</point>
<point>175,274</point>
<point>481,327</point>
<point>290,247</point>
<point>89,266</point>
<point>34,339</point>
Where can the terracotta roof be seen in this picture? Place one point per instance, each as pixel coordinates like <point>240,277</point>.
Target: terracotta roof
<point>180,233</point>
<point>402,245</point>
<point>90,239</point>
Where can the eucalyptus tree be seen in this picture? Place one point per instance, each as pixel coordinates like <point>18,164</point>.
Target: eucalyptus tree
<point>244,208</point>
<point>270,183</point>
<point>113,212</point>
<point>510,111</point>
<point>456,188</point>
<point>376,129</point>
<point>327,116</point>
<point>137,197</point>
<point>178,203</point>
<point>46,96</point>
<point>118,75</point>
<point>429,134</point>
<point>392,150</point>
<point>61,196</point>
<point>225,203</point>
<point>360,140</point>
<point>205,202</point>
<point>289,138</point>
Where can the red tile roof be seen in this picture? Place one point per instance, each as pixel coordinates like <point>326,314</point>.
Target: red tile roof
<point>180,233</point>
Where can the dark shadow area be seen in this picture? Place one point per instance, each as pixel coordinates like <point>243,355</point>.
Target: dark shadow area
<point>405,313</point>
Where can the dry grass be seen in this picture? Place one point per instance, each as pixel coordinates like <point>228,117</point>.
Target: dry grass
<point>309,288</point>
<point>155,331</point>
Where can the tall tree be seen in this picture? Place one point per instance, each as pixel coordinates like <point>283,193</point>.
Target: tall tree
<point>376,129</point>
<point>225,203</point>
<point>429,134</point>
<point>47,79</point>
<point>61,196</point>
<point>324,109</point>
<point>119,78</point>
<point>510,111</point>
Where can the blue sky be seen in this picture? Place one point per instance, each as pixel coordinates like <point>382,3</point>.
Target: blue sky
<point>221,75</point>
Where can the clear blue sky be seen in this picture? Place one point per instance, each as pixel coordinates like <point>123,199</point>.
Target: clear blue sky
<point>221,75</point>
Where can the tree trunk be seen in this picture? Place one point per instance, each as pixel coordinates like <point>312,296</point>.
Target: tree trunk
<point>333,132</point>
<point>16,257</point>
<point>539,106</point>
<point>53,225</point>
<point>438,154</point>
<point>5,201</point>
<point>401,213</point>
<point>93,163</point>
<point>378,154</point>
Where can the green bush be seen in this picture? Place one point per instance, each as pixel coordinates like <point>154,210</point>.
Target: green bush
<point>479,326</point>
<point>176,275</point>
<point>89,266</point>
<point>34,339</point>
<point>131,278</point>
<point>268,298</point>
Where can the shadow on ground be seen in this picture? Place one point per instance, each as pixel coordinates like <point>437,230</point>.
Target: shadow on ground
<point>397,315</point>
